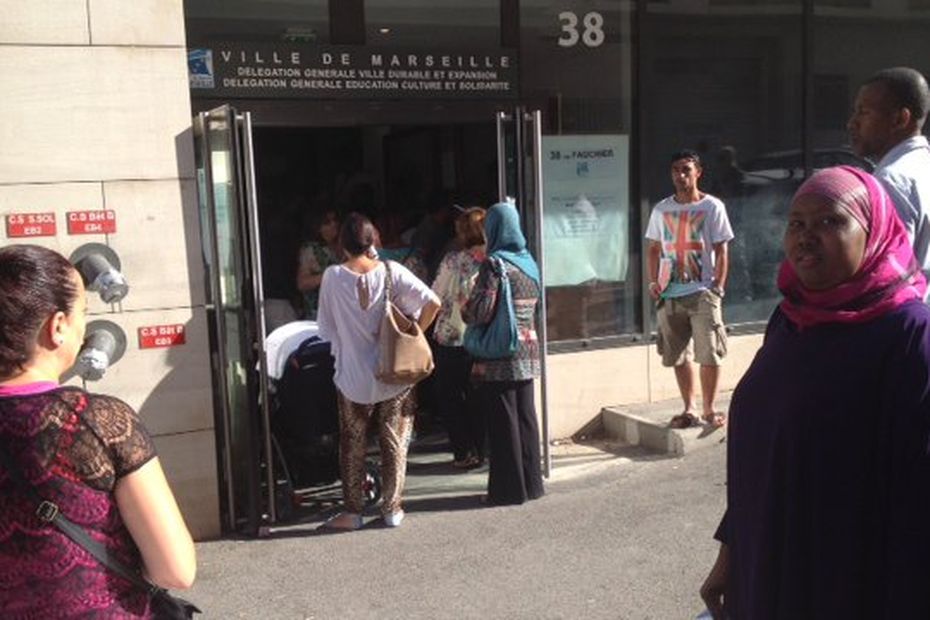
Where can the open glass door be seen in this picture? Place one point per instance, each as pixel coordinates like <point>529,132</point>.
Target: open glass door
<point>519,174</point>
<point>229,225</point>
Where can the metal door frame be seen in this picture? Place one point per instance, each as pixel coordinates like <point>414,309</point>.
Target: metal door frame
<point>527,138</point>
<point>246,211</point>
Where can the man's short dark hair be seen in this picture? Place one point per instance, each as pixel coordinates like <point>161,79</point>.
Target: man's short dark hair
<point>686,154</point>
<point>907,88</point>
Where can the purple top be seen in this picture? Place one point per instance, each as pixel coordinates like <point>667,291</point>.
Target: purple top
<point>73,446</point>
<point>828,473</point>
<point>26,389</point>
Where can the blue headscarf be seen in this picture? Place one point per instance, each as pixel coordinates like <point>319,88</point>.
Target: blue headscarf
<point>506,240</point>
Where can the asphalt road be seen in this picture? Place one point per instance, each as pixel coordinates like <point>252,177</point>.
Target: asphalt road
<point>626,537</point>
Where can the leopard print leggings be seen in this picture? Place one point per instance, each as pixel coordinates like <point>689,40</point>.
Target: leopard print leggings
<point>395,424</point>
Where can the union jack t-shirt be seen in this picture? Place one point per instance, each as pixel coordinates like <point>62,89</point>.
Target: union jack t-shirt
<point>688,233</point>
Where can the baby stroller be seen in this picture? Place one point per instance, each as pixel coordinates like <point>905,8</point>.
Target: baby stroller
<point>305,422</point>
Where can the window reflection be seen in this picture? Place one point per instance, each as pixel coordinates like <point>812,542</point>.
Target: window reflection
<point>436,23</point>
<point>852,44</point>
<point>725,78</point>
<point>576,67</point>
<point>306,21</point>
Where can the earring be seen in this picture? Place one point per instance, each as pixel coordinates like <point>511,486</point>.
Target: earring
<point>59,341</point>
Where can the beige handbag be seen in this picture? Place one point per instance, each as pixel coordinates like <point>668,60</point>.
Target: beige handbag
<point>404,356</point>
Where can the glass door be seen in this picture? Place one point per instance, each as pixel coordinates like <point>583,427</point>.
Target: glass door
<point>520,180</point>
<point>229,227</point>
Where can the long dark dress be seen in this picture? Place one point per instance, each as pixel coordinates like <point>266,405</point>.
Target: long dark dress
<point>828,472</point>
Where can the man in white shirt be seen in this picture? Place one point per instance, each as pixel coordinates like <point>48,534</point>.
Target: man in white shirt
<point>889,114</point>
<point>687,263</point>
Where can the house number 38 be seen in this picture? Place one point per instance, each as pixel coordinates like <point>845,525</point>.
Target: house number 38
<point>591,32</point>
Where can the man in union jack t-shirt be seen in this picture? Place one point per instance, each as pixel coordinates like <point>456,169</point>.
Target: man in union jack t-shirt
<point>686,263</point>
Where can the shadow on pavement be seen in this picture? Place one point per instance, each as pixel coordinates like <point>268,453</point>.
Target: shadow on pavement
<point>444,504</point>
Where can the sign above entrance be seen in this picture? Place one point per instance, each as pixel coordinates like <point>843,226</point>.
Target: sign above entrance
<point>346,72</point>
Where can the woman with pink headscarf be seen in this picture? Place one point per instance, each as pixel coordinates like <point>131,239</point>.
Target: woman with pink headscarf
<point>828,490</point>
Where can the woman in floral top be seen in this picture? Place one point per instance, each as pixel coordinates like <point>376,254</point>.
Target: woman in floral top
<point>504,387</point>
<point>315,256</point>
<point>454,282</point>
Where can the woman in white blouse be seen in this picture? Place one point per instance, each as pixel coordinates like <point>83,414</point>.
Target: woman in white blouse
<point>350,312</point>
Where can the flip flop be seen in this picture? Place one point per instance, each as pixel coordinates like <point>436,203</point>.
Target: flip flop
<point>686,419</point>
<point>715,419</point>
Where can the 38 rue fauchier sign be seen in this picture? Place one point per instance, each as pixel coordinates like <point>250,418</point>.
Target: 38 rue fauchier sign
<point>346,72</point>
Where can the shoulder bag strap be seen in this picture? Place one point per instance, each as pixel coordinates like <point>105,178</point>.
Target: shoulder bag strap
<point>48,512</point>
<point>501,268</point>
<point>388,284</point>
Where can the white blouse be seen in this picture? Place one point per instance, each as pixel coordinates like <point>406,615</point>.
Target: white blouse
<point>353,330</point>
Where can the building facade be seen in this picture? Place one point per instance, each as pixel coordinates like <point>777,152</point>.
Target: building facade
<point>392,106</point>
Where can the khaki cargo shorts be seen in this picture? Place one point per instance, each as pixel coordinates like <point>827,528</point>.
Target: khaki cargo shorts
<point>697,317</point>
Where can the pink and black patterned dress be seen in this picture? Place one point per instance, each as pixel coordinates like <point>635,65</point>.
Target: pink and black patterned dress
<point>73,446</point>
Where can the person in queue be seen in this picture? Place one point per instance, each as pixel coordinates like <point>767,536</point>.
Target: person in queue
<point>454,282</point>
<point>352,298</point>
<point>88,453</point>
<point>504,387</point>
<point>827,463</point>
<point>314,257</point>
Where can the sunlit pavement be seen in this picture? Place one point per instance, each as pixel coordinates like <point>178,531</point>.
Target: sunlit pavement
<point>621,533</point>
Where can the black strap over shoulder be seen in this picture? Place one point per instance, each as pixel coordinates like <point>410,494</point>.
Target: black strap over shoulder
<point>48,512</point>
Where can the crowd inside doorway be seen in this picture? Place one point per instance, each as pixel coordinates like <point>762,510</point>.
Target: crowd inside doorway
<point>406,179</point>
<point>425,191</point>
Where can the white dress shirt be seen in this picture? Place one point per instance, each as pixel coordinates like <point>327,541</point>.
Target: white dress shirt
<point>905,173</point>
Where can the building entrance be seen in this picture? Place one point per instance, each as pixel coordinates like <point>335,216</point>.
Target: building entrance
<point>265,191</point>
<point>398,175</point>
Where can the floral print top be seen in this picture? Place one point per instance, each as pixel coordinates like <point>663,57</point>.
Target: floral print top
<point>316,257</point>
<point>454,283</point>
<point>480,310</point>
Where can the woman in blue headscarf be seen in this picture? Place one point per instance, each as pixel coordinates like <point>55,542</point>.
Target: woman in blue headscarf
<point>504,387</point>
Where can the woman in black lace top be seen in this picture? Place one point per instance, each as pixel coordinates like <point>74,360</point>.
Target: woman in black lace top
<point>87,453</point>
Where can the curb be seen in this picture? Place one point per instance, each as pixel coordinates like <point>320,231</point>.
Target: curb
<point>646,425</point>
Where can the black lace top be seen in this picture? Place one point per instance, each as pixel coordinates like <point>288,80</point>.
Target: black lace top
<point>73,447</point>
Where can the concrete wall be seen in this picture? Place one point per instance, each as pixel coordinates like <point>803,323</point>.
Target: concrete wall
<point>95,114</point>
<point>580,384</point>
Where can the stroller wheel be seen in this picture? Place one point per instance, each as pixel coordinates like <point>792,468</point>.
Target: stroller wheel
<point>371,485</point>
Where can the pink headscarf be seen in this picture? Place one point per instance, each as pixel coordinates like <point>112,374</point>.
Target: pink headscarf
<point>888,275</point>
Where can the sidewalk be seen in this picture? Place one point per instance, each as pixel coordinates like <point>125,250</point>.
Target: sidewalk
<point>433,483</point>
<point>621,533</point>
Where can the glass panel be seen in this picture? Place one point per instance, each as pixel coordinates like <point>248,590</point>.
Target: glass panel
<point>725,79</point>
<point>507,156</point>
<point>297,21</point>
<point>850,44</point>
<point>227,271</point>
<point>445,23</point>
<point>576,68</point>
